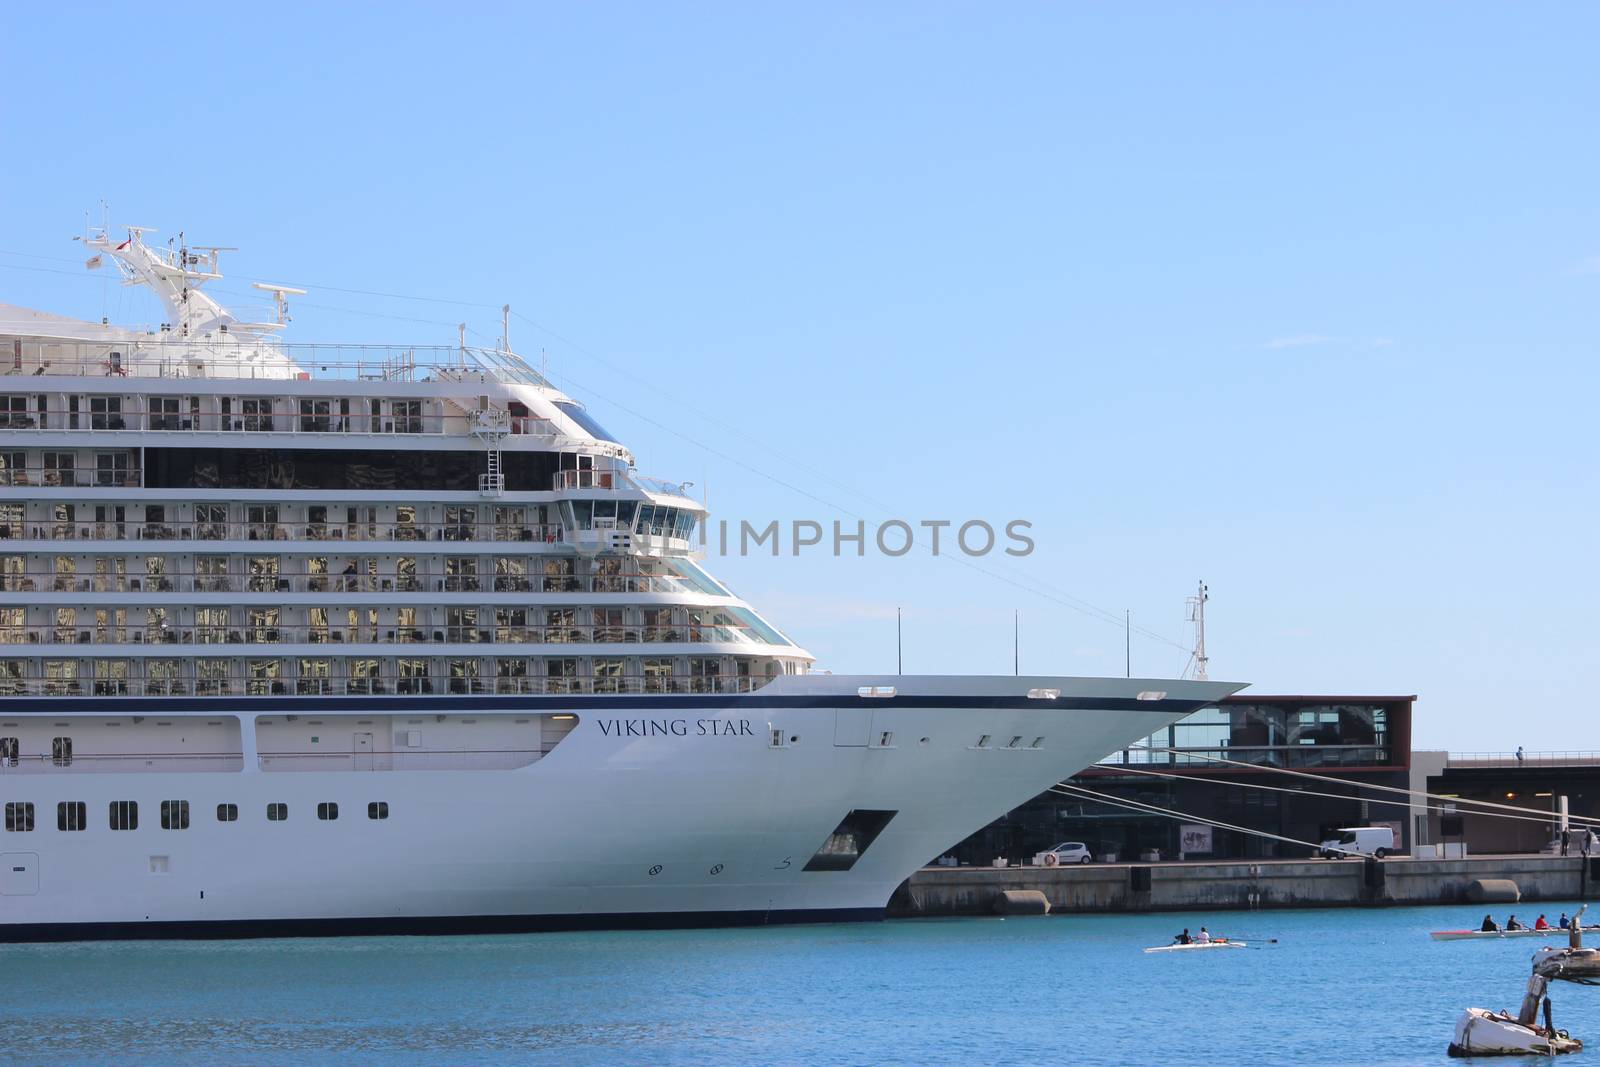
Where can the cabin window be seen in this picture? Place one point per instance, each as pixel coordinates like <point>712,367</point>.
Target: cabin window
<point>124,814</point>
<point>378,809</point>
<point>10,751</point>
<point>227,813</point>
<point>327,811</point>
<point>277,812</point>
<point>257,413</point>
<point>72,815</point>
<point>61,751</point>
<point>19,815</point>
<point>174,814</point>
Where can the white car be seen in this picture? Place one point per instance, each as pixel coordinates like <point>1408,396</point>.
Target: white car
<point>1063,854</point>
<point>1359,841</point>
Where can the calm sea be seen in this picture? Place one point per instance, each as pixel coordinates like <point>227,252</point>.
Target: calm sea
<point>1342,987</point>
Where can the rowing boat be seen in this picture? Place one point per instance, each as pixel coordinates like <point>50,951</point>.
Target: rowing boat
<point>1197,945</point>
<point>1474,935</point>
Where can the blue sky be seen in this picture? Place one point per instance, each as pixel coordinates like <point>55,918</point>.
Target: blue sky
<point>1299,300</point>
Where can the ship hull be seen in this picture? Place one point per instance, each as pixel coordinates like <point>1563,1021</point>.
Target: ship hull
<point>666,811</point>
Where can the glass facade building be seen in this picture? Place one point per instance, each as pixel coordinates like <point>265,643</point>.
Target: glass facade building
<point>1208,767</point>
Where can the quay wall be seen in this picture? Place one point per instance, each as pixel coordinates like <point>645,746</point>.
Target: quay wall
<point>937,891</point>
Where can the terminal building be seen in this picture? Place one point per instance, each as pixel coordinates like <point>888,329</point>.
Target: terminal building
<point>1341,739</point>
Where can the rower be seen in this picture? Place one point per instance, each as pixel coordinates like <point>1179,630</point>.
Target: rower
<point>1204,937</point>
<point>1489,926</point>
<point>1183,938</point>
<point>1541,924</point>
<point>1512,924</point>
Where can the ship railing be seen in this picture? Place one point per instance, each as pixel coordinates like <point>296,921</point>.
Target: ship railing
<point>68,418</point>
<point>490,632</point>
<point>1545,758</point>
<point>121,762</point>
<point>387,683</point>
<point>1294,756</point>
<point>189,582</point>
<point>239,355</point>
<point>388,531</point>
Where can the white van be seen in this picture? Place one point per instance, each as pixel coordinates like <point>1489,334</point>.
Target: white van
<point>1359,841</point>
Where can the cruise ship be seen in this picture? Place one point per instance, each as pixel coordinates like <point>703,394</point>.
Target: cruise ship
<point>342,639</point>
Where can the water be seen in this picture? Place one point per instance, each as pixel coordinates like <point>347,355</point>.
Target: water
<point>1342,987</point>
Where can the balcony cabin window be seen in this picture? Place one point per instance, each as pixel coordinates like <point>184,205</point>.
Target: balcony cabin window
<point>561,675</point>
<point>263,572</point>
<point>72,816</point>
<point>163,677</point>
<point>461,574</point>
<point>61,751</point>
<point>256,414</point>
<point>658,625</point>
<point>703,674</point>
<point>110,575</point>
<point>62,517</point>
<point>14,412</point>
<point>316,677</point>
<point>608,676</point>
<point>14,470</point>
<point>227,813</point>
<point>66,573</point>
<point>658,675</point>
<point>460,523</point>
<point>61,678</point>
<point>164,413</point>
<point>363,676</point>
<point>211,522</point>
<point>263,677</point>
<point>13,574</point>
<point>405,573</point>
<point>124,814</point>
<point>60,468</point>
<point>19,816</point>
<point>277,812</point>
<point>405,523</point>
<point>105,413</point>
<point>510,574</point>
<point>511,625</point>
<point>608,576</point>
<point>317,631</point>
<point>114,469</point>
<point>13,677</point>
<point>510,674</point>
<point>315,416</point>
<point>412,676</point>
<point>211,625</point>
<point>211,574</point>
<point>558,576</point>
<point>407,415</point>
<point>609,626</point>
<point>156,626</point>
<point>461,624</point>
<point>155,575</point>
<point>560,626</point>
<point>211,678</point>
<point>66,628</point>
<point>110,522</point>
<point>327,811</point>
<point>174,814</point>
<point>111,624</point>
<point>262,520</point>
<point>10,751</point>
<point>316,574</point>
<point>112,677</point>
<point>464,676</point>
<point>378,809</point>
<point>13,625</point>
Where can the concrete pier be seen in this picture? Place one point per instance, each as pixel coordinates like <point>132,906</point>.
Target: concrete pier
<point>1311,883</point>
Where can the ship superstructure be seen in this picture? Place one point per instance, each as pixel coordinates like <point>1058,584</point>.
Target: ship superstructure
<point>301,627</point>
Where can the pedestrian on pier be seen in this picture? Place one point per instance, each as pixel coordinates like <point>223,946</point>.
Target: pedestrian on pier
<point>1520,756</point>
<point>1566,839</point>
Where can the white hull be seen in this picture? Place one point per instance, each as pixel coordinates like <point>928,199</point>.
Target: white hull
<point>694,826</point>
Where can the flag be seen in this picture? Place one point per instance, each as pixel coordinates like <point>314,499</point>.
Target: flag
<point>93,262</point>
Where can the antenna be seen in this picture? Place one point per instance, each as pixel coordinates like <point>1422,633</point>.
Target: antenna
<point>1197,615</point>
<point>278,292</point>
<point>505,328</point>
<point>1016,642</point>
<point>899,646</point>
<point>1127,643</point>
